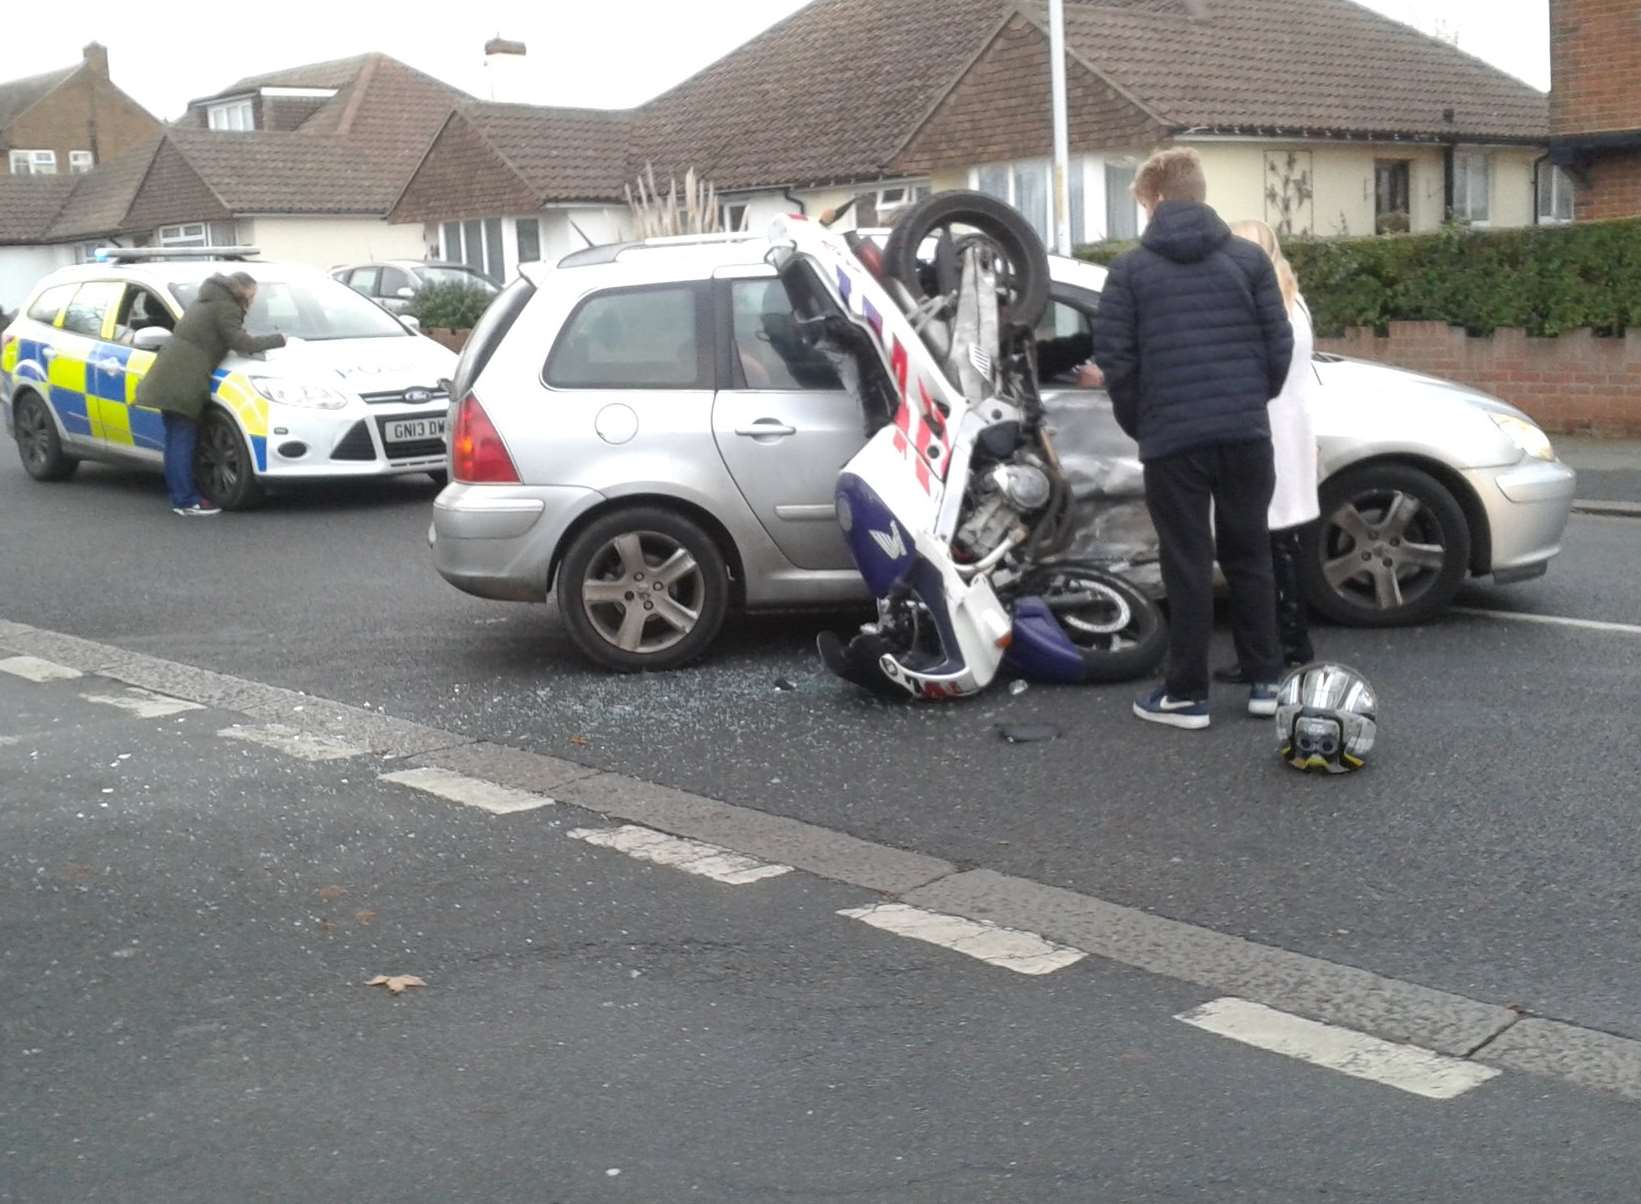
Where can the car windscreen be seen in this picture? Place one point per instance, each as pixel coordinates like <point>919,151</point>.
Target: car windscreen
<point>456,276</point>
<point>310,309</point>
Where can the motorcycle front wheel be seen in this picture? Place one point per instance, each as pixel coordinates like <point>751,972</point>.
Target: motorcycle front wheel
<point>954,220</point>
<point>1118,630</point>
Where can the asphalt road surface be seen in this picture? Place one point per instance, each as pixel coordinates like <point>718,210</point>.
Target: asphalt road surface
<point>1488,851</point>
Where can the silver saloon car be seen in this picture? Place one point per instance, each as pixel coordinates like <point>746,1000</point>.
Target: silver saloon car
<point>641,428</point>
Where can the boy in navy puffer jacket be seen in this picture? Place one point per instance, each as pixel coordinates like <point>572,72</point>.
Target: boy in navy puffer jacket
<point>1194,340</point>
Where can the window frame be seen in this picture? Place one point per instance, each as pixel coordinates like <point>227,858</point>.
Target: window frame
<point>118,294</point>
<point>706,340</point>
<point>177,236</point>
<point>372,273</point>
<point>1077,191</point>
<point>238,115</point>
<point>385,288</point>
<point>731,372</point>
<point>1561,184</point>
<point>33,161</point>
<point>1400,175</point>
<point>67,289</point>
<point>519,223</point>
<point>80,162</point>
<point>123,334</point>
<point>1463,167</point>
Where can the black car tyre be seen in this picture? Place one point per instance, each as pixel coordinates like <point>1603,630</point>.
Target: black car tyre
<point>223,469</point>
<point>643,589</point>
<point>1392,547</point>
<point>963,215</point>
<point>38,443</point>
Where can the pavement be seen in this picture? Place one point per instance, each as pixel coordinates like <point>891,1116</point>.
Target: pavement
<point>1609,470</point>
<point>1470,894</point>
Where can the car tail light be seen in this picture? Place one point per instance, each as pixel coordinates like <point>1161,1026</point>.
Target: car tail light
<point>869,253</point>
<point>477,454</point>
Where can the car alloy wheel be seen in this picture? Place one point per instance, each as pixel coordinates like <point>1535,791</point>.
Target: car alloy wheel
<point>1393,547</point>
<point>643,592</point>
<point>222,463</point>
<point>37,443</point>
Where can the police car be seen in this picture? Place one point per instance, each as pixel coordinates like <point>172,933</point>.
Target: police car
<point>356,392</point>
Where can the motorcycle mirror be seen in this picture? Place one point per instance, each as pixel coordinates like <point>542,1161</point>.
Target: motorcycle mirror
<point>832,217</point>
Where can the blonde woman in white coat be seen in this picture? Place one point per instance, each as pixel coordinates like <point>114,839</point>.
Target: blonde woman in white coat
<point>1295,504</point>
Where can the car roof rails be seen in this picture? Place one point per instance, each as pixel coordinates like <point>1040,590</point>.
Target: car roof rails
<point>610,252</point>
<point>125,255</point>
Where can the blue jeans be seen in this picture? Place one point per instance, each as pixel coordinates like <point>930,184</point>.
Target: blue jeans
<point>180,436</point>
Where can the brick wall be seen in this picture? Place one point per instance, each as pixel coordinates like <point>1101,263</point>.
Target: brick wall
<point>1595,54</point>
<point>1614,188</point>
<point>1574,383</point>
<point>1000,110</point>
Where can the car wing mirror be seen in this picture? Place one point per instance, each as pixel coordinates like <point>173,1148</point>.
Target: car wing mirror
<point>151,338</point>
<point>411,322</point>
<point>406,293</point>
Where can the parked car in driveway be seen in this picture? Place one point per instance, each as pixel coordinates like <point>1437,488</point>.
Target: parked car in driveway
<point>641,429</point>
<point>355,393</point>
<point>394,283</point>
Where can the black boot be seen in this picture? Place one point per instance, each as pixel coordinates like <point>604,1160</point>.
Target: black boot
<point>1291,620</point>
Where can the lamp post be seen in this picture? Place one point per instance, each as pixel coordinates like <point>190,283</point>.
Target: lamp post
<point>1062,138</point>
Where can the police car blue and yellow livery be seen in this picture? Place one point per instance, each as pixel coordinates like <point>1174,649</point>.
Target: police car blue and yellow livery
<point>355,392</point>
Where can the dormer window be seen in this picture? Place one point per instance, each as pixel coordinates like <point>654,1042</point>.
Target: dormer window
<point>232,115</point>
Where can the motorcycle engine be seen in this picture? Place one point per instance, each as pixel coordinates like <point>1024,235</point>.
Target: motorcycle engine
<point>999,500</point>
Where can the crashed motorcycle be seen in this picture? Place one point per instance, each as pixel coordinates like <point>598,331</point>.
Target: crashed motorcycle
<point>957,512</point>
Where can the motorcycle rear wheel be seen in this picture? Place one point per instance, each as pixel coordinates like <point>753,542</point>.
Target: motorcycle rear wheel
<point>961,216</point>
<point>1120,632</point>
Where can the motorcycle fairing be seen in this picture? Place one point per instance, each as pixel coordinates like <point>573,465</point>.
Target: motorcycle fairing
<point>1041,650</point>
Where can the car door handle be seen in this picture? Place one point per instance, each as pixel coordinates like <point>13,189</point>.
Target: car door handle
<point>767,428</point>
<point>47,353</point>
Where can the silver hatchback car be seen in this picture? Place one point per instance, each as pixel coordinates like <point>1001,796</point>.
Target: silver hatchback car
<point>643,427</point>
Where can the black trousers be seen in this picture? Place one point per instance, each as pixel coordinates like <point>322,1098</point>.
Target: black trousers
<point>1233,483</point>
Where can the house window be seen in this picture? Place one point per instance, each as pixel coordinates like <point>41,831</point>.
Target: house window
<point>475,243</point>
<point>33,163</point>
<point>1472,187</point>
<point>1392,211</point>
<point>231,115</point>
<point>191,234</point>
<point>80,162</point>
<point>1555,196</point>
<point>732,216</point>
<point>1122,212</point>
<point>1029,187</point>
<point>529,232</point>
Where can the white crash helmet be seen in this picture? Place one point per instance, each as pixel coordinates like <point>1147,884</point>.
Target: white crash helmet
<point>1327,718</point>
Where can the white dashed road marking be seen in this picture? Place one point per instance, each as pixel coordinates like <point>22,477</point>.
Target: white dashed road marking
<point>32,668</point>
<point>1551,620</point>
<point>145,704</point>
<point>1405,1067</point>
<point>305,746</point>
<point>470,792</point>
<point>1022,952</point>
<point>691,856</point>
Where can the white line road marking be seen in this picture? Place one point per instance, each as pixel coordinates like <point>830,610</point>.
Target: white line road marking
<point>32,668</point>
<point>1550,620</point>
<point>675,852</point>
<point>293,742</point>
<point>145,704</point>
<point>1023,952</point>
<point>470,792</point>
<point>1405,1067</point>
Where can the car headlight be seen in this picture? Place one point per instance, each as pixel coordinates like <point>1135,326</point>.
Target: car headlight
<point>1525,436</point>
<point>296,393</point>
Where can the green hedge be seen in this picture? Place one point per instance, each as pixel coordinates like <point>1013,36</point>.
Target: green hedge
<point>1547,279</point>
<point>450,306</point>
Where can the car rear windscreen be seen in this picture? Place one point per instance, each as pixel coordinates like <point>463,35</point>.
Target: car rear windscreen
<point>498,319</point>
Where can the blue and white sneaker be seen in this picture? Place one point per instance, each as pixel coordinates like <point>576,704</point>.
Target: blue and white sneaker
<point>1158,707</point>
<point>1262,701</point>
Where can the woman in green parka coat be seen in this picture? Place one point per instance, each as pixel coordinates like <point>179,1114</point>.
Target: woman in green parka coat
<point>179,383</point>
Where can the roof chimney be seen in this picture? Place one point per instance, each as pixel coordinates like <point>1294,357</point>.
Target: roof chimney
<point>504,67</point>
<point>96,57</point>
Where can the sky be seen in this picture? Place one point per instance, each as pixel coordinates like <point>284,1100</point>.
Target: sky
<point>610,54</point>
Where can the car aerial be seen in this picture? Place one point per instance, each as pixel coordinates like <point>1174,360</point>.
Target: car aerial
<point>355,393</point>
<point>394,283</point>
<point>640,428</point>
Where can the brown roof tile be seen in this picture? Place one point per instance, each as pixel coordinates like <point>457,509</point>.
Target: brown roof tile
<point>1298,65</point>
<point>101,198</point>
<point>334,73</point>
<point>29,204</point>
<point>18,95</point>
<point>280,172</point>
<point>561,154</point>
<point>391,111</point>
<point>829,94</point>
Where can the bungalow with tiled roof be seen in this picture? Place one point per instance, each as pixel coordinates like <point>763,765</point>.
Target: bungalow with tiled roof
<point>1320,116</point>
